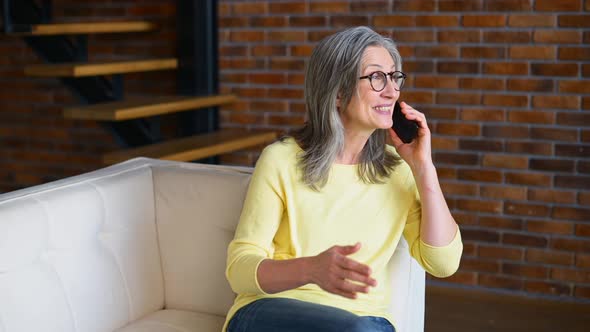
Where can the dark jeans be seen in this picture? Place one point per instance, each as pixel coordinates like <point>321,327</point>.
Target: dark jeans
<point>287,315</point>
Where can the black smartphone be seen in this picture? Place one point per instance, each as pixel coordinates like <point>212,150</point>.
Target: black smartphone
<point>407,130</point>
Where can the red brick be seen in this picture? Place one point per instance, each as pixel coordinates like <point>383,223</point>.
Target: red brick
<point>574,182</point>
<point>393,21</point>
<point>301,50</point>
<point>479,175</point>
<point>286,120</point>
<point>497,252</point>
<point>555,165</point>
<point>285,93</point>
<point>357,6</point>
<point>307,21</point>
<point>233,22</point>
<point>286,63</point>
<point>526,271</point>
<point>554,134</point>
<point>484,21</point>
<point>496,281</point>
<point>549,227</point>
<point>479,52</point>
<point>269,50</point>
<point>330,7</point>
<point>551,196</point>
<point>572,275</point>
<point>507,37</point>
<point>462,189</point>
<point>418,36</point>
<point>479,265</point>
<point>583,166</point>
<point>571,244</point>
<point>571,213</point>
<point>505,100</point>
<point>584,198</point>
<point>438,21</point>
<point>557,36</point>
<point>293,7</point>
<point>503,192</point>
<point>523,209</point>
<point>549,257</point>
<point>537,117</point>
<point>444,143</point>
<point>446,173</point>
<point>554,69</point>
<point>505,131</point>
<point>574,21</point>
<point>581,87</point>
<point>315,36</point>
<point>438,82</point>
<point>286,36</point>
<point>459,129</point>
<point>247,36</point>
<point>250,8</point>
<point>419,97</point>
<point>456,158</point>
<point>532,52</point>
<point>474,114</point>
<point>481,145</point>
<point>460,277</point>
<point>459,36</point>
<point>458,98</point>
<point>563,102</point>
<point>345,21</point>
<point>572,150</point>
<point>461,67</point>
<point>233,51</point>
<point>506,68</point>
<point>582,260</point>
<point>583,230</point>
<point>574,53</point>
<point>459,6</point>
<point>505,161</point>
<point>531,179</point>
<point>526,240</point>
<point>551,288</point>
<point>479,205</point>
<point>414,5</point>
<point>479,235</point>
<point>531,20</point>
<point>268,21</point>
<point>572,119</point>
<point>269,106</point>
<point>559,6</point>
<point>530,85</point>
<point>439,51</point>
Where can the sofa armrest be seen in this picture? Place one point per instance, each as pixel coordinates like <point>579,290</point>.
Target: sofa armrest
<point>408,288</point>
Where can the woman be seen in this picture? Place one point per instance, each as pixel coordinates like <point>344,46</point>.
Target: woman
<point>326,208</point>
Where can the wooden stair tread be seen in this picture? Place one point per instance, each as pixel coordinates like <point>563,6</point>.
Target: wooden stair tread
<point>194,147</point>
<point>99,68</point>
<point>82,28</point>
<point>145,107</point>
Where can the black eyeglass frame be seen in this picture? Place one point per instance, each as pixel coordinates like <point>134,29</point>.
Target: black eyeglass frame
<point>390,74</point>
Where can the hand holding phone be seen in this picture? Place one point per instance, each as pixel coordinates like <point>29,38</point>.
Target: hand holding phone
<point>407,130</point>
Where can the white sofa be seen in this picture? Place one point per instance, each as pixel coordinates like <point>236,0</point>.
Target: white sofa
<point>138,246</point>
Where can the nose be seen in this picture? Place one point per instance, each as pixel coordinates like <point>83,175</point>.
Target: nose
<point>391,90</point>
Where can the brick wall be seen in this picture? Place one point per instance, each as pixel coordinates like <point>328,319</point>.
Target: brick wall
<point>36,144</point>
<point>505,85</point>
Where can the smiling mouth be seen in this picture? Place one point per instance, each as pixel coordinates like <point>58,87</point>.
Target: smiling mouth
<point>383,109</point>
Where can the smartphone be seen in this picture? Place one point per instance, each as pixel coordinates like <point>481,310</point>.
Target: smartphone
<point>407,130</point>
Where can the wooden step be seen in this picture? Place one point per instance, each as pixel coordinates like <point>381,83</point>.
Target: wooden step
<point>193,148</point>
<point>82,28</point>
<point>99,68</point>
<point>144,107</point>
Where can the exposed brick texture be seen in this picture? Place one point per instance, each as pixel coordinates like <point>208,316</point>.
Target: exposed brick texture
<point>505,85</point>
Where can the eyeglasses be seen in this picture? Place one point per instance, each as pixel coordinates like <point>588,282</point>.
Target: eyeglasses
<point>378,80</point>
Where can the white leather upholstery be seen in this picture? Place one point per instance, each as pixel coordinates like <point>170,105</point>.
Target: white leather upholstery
<point>138,246</point>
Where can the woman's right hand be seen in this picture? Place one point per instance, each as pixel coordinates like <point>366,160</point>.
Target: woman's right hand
<point>336,273</point>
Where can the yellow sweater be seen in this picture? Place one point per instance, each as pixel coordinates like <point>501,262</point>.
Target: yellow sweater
<point>282,219</point>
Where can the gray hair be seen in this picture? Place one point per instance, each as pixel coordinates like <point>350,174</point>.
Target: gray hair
<point>332,71</point>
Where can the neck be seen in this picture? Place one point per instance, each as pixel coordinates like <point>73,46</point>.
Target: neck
<point>353,146</point>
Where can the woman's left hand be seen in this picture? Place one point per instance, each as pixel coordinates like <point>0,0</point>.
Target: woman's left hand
<point>417,153</point>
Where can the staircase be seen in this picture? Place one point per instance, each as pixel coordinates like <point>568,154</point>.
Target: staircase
<point>99,85</point>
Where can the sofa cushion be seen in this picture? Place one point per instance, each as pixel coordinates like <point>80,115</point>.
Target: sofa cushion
<point>176,321</point>
<point>196,213</point>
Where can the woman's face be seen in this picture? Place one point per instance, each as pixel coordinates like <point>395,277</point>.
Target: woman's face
<point>369,110</point>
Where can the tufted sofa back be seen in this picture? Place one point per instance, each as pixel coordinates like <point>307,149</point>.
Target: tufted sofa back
<point>100,250</point>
